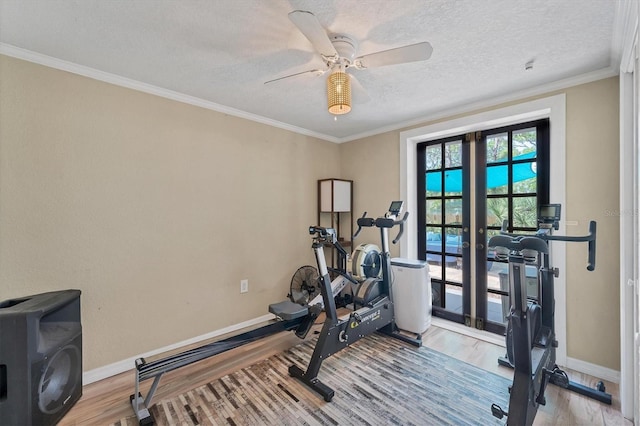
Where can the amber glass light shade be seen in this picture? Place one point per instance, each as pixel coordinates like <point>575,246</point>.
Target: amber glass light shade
<point>339,93</point>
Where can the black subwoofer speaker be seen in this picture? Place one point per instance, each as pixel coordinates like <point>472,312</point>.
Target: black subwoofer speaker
<point>40,357</point>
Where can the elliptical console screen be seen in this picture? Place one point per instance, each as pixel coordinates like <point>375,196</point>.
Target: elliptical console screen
<point>549,213</point>
<point>396,207</point>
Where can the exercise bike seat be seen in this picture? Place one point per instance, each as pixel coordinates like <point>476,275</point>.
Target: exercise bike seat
<point>288,310</point>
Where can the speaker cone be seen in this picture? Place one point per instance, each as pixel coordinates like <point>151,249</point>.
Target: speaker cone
<point>59,379</point>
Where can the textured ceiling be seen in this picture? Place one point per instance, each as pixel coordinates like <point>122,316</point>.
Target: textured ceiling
<point>222,51</point>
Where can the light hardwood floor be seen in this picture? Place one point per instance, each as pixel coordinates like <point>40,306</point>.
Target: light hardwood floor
<point>107,401</point>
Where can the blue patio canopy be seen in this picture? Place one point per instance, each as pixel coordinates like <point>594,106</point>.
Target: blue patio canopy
<point>497,176</point>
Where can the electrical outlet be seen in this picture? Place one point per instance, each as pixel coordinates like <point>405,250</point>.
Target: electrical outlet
<point>244,286</point>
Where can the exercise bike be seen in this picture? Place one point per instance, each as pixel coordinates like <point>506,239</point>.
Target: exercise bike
<point>377,314</point>
<point>292,317</point>
<point>531,341</point>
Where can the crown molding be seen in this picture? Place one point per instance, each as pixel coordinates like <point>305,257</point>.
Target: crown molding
<point>49,61</point>
<point>494,101</point>
<point>625,34</point>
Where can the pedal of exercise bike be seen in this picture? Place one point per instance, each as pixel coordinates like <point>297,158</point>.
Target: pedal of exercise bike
<point>498,412</point>
<point>543,338</point>
<point>504,361</point>
<point>559,378</point>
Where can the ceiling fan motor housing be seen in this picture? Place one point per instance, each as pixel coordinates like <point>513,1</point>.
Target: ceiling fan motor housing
<point>346,47</point>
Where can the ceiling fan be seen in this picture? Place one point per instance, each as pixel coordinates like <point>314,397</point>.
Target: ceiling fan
<point>338,52</point>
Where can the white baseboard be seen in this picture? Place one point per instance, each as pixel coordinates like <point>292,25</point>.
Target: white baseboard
<point>578,365</point>
<point>483,335</point>
<point>594,370</point>
<point>129,363</point>
<point>101,373</point>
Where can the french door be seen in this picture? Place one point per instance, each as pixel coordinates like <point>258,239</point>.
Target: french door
<point>444,223</point>
<point>468,186</point>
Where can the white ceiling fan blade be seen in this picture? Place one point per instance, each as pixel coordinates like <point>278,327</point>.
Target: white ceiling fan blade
<point>315,72</point>
<point>360,95</point>
<point>412,53</point>
<point>308,25</point>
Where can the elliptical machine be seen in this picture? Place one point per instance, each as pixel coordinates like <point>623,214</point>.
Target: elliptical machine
<point>531,341</point>
<point>376,315</point>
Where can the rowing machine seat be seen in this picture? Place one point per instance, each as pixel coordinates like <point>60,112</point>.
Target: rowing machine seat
<point>288,310</point>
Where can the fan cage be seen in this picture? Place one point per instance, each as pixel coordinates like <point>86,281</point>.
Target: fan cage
<point>304,285</point>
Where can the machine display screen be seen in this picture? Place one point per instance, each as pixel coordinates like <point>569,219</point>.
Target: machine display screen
<point>396,206</point>
<point>550,212</point>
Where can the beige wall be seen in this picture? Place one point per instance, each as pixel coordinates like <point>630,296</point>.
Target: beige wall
<point>153,208</point>
<point>156,209</point>
<point>593,309</point>
<point>372,163</point>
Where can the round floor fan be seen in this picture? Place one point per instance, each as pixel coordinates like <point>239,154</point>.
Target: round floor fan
<point>304,285</point>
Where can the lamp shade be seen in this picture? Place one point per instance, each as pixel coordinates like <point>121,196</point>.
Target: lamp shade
<point>339,92</point>
<point>335,195</point>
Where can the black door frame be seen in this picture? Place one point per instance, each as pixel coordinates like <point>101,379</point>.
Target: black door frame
<point>543,187</point>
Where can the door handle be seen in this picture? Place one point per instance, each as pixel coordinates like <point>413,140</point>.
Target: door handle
<point>465,244</point>
<point>480,246</point>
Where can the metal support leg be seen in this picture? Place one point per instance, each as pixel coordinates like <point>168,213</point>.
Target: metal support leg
<point>152,390</point>
<point>140,405</point>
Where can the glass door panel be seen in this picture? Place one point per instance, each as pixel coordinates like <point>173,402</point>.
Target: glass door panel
<point>525,212</point>
<point>497,147</point>
<point>443,208</point>
<point>497,212</point>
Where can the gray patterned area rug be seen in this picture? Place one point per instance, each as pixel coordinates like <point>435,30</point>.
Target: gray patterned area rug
<point>377,381</point>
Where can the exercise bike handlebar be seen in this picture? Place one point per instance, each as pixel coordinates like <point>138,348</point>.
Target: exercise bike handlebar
<point>365,221</point>
<point>401,223</point>
<point>590,238</point>
<point>382,222</point>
